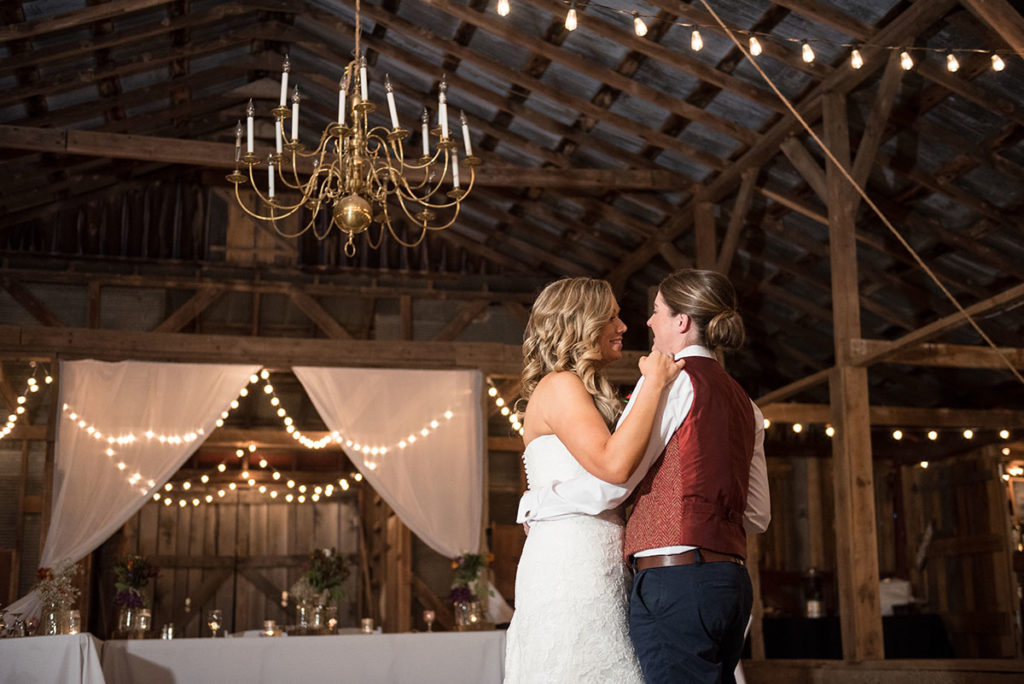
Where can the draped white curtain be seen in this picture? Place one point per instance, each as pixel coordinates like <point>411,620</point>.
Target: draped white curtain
<point>435,481</point>
<point>157,415</point>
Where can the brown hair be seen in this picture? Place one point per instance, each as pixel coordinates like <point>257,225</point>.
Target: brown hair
<point>709,299</point>
<point>562,335</point>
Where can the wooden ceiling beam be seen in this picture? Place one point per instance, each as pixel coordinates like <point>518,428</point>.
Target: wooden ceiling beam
<point>30,302</point>
<point>316,313</point>
<point>1002,18</point>
<point>221,155</point>
<point>611,77</point>
<point>881,353</point>
<point>76,48</point>
<point>138,63</point>
<point>913,20</point>
<point>677,60</point>
<point>699,16</point>
<point>76,18</point>
<point>190,310</point>
<point>944,355</point>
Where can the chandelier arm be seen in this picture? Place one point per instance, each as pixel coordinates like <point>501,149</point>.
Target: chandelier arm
<point>291,208</point>
<point>273,222</point>
<point>421,224</point>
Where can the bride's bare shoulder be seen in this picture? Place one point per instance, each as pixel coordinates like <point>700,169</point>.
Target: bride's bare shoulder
<point>559,381</point>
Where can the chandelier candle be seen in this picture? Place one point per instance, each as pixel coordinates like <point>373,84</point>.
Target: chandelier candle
<point>391,101</point>
<point>238,142</point>
<point>363,84</point>
<point>425,125</point>
<point>285,67</point>
<point>341,100</point>
<point>442,108</point>
<point>295,114</point>
<point>250,112</point>
<point>465,133</point>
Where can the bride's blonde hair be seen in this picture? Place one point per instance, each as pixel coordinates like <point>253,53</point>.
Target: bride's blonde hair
<point>562,335</point>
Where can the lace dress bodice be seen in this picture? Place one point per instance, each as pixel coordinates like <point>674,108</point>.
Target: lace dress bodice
<point>572,590</point>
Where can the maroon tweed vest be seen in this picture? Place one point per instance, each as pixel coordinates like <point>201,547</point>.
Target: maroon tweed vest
<point>696,492</point>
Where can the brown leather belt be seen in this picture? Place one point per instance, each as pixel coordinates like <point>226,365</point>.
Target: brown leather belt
<point>686,558</point>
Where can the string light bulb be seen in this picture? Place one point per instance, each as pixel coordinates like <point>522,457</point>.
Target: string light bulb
<point>503,8</point>
<point>767,423</point>
<point>570,18</point>
<point>924,464</point>
<point>1004,434</point>
<point>856,59</point>
<point>897,435</point>
<point>997,63</point>
<point>968,433</point>
<point>638,25</point>
<point>933,435</point>
<point>798,428</point>
<point>696,41</point>
<point>906,61</point>
<point>755,46</point>
<point>952,63</point>
<point>806,53</point>
<point>830,431</point>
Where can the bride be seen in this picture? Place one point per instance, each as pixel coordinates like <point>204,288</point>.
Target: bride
<point>572,585</point>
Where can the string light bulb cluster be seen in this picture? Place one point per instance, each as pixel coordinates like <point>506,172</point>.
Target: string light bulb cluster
<point>897,434</point>
<point>21,403</point>
<point>755,38</point>
<point>504,408</point>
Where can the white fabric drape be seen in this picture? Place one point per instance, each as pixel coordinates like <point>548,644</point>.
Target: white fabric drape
<point>150,418</point>
<point>435,481</point>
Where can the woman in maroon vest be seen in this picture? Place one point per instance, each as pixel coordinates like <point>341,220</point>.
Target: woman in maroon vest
<point>691,593</point>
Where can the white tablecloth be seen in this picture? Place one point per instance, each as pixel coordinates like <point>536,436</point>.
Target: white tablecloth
<point>65,659</point>
<point>422,658</point>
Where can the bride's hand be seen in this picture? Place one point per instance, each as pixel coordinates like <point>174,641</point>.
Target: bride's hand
<point>660,368</point>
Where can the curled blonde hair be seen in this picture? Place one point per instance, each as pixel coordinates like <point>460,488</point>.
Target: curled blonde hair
<point>709,299</point>
<point>562,335</point>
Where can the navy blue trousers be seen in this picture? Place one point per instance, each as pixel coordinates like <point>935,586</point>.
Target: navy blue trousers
<point>687,622</point>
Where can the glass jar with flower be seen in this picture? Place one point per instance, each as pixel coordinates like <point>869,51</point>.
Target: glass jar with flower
<point>57,592</point>
<point>131,575</point>
<point>319,589</point>
<point>470,589</point>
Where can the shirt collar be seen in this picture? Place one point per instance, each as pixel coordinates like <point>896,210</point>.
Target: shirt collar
<point>694,350</point>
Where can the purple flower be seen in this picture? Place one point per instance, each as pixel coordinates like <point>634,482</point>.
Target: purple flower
<point>128,598</point>
<point>461,594</point>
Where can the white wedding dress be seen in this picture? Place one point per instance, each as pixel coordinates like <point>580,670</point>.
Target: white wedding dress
<point>572,591</point>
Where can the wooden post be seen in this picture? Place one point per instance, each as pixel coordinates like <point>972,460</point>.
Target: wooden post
<point>398,577</point>
<point>704,234</point>
<point>853,479</point>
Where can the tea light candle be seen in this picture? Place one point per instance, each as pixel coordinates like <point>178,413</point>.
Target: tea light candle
<point>367,625</point>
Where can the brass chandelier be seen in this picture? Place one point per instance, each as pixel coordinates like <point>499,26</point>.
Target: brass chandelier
<point>358,172</point>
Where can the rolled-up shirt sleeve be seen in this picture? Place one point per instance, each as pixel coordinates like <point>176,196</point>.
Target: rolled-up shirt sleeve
<point>758,512</point>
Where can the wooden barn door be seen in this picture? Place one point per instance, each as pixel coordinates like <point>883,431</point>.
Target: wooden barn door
<point>964,570</point>
<point>237,556</point>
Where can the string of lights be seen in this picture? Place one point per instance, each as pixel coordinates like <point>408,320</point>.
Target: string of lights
<point>757,39</point>
<point>504,408</point>
<point>31,387</point>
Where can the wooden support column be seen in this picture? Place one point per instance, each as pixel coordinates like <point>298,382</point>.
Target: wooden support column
<point>704,234</point>
<point>853,479</point>
<point>398,577</point>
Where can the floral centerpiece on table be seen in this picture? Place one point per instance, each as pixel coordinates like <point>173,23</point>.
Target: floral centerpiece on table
<point>466,583</point>
<point>131,574</point>
<point>321,582</point>
<point>469,586</point>
<point>57,591</point>
<point>56,585</point>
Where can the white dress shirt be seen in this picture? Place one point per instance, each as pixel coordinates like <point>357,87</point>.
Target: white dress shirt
<point>588,495</point>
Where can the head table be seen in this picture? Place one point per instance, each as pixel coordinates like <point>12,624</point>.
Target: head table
<point>423,658</point>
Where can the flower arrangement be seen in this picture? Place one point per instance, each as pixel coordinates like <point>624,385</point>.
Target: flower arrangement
<point>132,573</point>
<point>326,570</point>
<point>467,569</point>
<point>56,585</point>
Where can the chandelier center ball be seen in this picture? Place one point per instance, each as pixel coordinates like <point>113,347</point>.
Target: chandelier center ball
<point>352,214</point>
